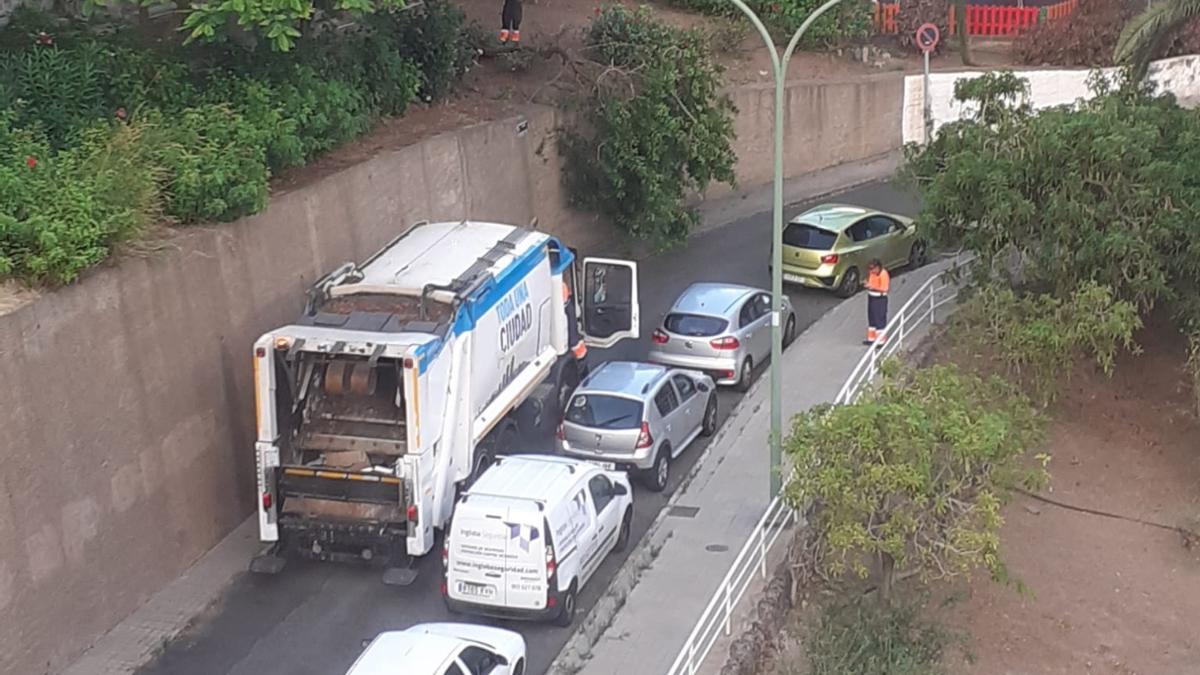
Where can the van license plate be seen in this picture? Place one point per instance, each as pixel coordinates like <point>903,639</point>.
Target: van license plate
<point>794,278</point>
<point>607,466</point>
<point>476,590</point>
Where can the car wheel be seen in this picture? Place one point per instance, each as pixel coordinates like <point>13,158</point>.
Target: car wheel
<point>624,532</point>
<point>519,669</point>
<point>660,473</point>
<point>789,332</point>
<point>709,426</point>
<point>746,376</point>
<point>851,279</point>
<point>566,613</point>
<point>918,256</point>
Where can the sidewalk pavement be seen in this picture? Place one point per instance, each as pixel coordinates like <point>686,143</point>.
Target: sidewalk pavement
<point>706,524</point>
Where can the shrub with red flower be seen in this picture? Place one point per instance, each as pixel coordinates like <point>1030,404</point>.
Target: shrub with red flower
<point>31,161</point>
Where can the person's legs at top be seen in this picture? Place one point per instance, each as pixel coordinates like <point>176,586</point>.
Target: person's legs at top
<point>510,20</point>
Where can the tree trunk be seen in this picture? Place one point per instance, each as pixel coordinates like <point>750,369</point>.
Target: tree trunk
<point>964,40</point>
<point>887,577</point>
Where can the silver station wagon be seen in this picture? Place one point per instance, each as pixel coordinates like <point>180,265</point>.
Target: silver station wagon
<point>638,417</point>
<point>721,329</point>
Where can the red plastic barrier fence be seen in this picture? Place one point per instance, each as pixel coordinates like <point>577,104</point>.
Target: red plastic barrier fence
<point>984,20</point>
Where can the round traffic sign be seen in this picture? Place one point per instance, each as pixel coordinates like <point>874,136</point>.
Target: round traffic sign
<point>928,36</point>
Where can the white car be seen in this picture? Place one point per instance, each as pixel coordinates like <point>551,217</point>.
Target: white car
<point>443,649</point>
<point>530,533</point>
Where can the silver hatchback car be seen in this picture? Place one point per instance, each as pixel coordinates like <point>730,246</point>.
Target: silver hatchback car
<point>637,417</point>
<point>721,329</point>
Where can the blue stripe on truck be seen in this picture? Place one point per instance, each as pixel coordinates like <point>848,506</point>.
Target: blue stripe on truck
<point>484,299</point>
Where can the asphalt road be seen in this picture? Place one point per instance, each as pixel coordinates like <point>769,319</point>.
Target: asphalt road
<point>312,618</point>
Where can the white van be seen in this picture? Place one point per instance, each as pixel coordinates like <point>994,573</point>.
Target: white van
<point>530,533</point>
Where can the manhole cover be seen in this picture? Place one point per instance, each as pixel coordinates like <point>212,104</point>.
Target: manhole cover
<point>716,548</point>
<point>683,511</point>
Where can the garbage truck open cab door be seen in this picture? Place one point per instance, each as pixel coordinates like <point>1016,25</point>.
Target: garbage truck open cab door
<point>609,301</point>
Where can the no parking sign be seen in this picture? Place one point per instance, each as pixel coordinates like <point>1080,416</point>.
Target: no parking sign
<point>928,36</point>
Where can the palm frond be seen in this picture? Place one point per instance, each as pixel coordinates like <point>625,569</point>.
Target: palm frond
<point>1146,32</point>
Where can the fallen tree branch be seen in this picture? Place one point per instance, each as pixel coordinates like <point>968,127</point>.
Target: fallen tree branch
<point>1190,538</point>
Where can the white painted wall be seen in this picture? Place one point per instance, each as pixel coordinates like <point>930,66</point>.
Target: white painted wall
<point>1179,75</point>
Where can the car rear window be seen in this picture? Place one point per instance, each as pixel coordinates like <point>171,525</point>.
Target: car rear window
<point>694,325</point>
<point>604,412</point>
<point>803,235</point>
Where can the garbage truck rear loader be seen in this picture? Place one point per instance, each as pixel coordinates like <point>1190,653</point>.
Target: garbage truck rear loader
<point>406,375</point>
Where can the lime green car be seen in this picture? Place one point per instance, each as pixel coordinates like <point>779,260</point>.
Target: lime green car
<point>829,246</point>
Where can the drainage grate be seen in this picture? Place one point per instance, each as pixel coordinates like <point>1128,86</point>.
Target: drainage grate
<point>683,511</point>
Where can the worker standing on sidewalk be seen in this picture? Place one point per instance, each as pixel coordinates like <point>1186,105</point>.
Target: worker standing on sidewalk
<point>878,282</point>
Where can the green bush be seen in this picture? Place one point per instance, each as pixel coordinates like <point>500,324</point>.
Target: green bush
<point>655,127</point>
<point>59,90</point>
<point>208,123</point>
<point>857,636</point>
<point>259,105</point>
<point>327,112</point>
<point>136,79</point>
<point>849,20</point>
<point>65,211</point>
<point>1037,337</point>
<point>215,164</point>
<point>436,37</point>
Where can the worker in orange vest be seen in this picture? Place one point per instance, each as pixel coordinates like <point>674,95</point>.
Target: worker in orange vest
<point>574,339</point>
<point>878,282</point>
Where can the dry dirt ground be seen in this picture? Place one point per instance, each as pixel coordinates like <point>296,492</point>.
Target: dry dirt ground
<point>1107,596</point>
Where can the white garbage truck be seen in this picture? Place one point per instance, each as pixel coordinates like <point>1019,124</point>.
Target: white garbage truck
<point>408,373</point>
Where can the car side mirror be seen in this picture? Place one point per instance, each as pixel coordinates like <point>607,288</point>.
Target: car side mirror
<point>618,490</point>
<point>500,660</point>
<point>366,642</point>
<point>702,387</point>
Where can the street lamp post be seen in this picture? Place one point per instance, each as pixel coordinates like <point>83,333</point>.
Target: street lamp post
<point>779,65</point>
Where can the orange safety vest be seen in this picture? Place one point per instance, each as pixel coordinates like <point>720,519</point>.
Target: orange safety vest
<point>579,349</point>
<point>878,283</point>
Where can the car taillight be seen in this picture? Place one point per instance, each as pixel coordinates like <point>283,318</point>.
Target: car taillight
<point>659,337</point>
<point>551,563</point>
<point>830,259</point>
<point>725,343</point>
<point>645,440</point>
<point>446,554</point>
<point>266,501</point>
<point>412,513</point>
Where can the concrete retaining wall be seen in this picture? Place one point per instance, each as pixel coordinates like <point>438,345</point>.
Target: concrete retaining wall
<point>826,123</point>
<point>1179,76</point>
<point>126,406</point>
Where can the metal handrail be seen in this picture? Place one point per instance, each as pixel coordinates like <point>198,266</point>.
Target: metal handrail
<point>717,618</point>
